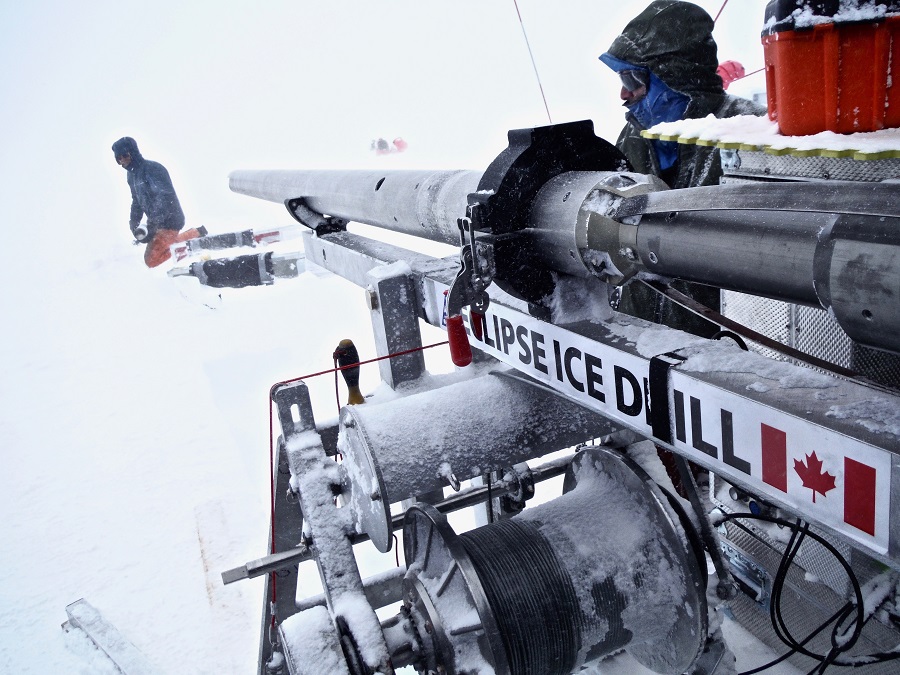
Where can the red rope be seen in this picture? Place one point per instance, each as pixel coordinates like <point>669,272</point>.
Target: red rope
<point>337,396</point>
<point>272,390</point>
<point>758,70</point>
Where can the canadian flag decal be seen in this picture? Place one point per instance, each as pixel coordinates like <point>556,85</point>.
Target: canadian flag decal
<point>859,479</point>
<point>774,457</point>
<point>810,472</point>
<point>859,495</point>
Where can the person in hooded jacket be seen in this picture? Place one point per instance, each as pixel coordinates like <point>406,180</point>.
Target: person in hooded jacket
<point>153,194</point>
<point>666,58</point>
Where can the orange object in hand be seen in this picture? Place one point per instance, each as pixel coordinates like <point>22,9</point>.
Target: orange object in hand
<point>158,249</point>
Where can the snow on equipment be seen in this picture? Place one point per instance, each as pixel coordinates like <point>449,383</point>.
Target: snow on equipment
<point>618,561</point>
<point>578,215</point>
<point>477,608</point>
<point>251,269</point>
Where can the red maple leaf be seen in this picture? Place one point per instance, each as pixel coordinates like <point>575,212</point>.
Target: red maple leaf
<point>812,475</point>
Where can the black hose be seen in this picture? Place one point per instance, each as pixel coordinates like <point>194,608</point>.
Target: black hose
<point>800,531</point>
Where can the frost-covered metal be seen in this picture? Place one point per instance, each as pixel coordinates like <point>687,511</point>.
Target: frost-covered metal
<point>618,560</point>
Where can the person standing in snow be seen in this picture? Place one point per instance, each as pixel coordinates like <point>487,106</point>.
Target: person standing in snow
<point>666,58</point>
<point>153,194</point>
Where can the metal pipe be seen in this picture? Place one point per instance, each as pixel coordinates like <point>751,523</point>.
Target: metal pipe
<point>835,245</point>
<point>465,498</point>
<point>795,242</point>
<point>421,203</point>
<point>381,590</point>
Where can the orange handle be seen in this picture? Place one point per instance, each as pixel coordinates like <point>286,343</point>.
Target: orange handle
<point>460,350</point>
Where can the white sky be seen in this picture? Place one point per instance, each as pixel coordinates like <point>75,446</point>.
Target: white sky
<point>207,88</point>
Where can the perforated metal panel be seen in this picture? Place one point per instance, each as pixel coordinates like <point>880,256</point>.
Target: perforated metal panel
<point>816,584</point>
<point>769,317</point>
<point>811,330</point>
<point>816,587</point>
<point>818,168</point>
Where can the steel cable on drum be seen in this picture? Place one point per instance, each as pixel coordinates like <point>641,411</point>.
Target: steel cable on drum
<point>530,594</point>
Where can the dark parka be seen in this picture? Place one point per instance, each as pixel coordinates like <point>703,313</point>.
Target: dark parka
<point>673,40</point>
<point>152,192</point>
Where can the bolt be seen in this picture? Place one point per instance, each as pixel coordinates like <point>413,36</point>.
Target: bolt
<point>376,496</point>
<point>372,298</point>
<point>429,628</point>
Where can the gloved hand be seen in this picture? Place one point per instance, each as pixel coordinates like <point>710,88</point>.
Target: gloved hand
<point>140,232</point>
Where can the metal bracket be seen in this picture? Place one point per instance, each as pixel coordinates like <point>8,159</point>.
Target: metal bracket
<point>468,289</point>
<point>507,190</point>
<point>534,156</point>
<point>322,224</point>
<point>522,478</point>
<point>749,575</point>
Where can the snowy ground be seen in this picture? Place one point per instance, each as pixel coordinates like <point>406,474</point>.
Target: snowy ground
<point>134,455</point>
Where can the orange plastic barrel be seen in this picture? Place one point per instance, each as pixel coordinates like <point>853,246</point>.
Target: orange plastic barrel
<point>834,77</point>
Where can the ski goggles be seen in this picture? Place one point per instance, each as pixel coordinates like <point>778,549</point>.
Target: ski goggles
<point>633,80</point>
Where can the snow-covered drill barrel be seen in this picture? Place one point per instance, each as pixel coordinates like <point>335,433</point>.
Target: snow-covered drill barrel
<point>558,201</point>
<point>421,203</point>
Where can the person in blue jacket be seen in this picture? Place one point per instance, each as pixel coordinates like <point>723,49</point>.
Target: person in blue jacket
<point>153,194</point>
<point>666,59</point>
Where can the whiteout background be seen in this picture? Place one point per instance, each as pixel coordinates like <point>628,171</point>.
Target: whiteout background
<point>133,418</point>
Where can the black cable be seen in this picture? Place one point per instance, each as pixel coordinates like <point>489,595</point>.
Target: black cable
<point>779,625</point>
<point>790,653</point>
<point>777,616</point>
<point>800,531</point>
<point>787,556</point>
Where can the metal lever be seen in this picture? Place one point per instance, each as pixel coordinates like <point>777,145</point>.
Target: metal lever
<point>467,290</point>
